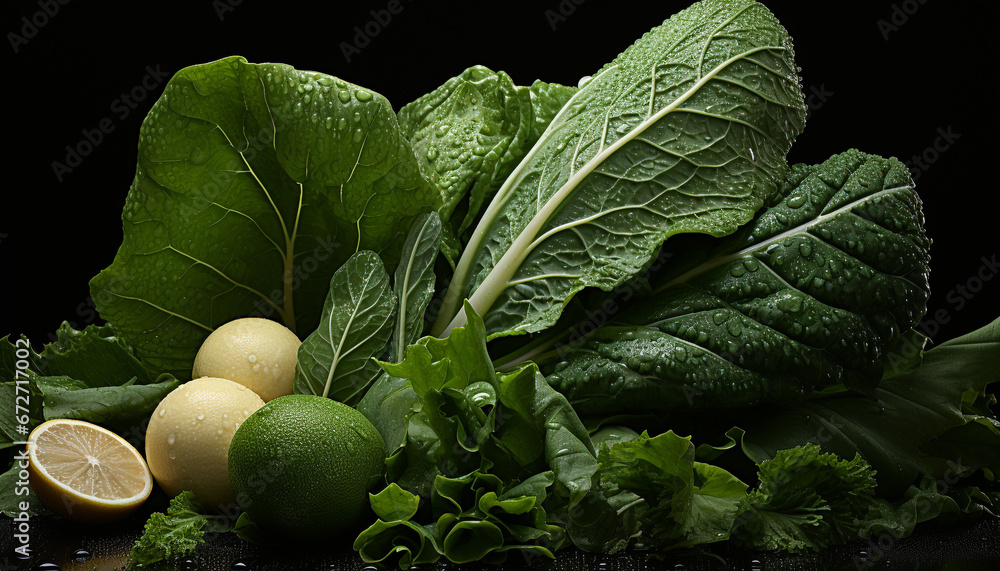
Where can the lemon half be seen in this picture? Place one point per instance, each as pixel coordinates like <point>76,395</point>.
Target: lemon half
<point>86,473</point>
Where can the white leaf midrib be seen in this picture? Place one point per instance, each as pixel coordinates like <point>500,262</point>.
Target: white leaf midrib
<point>497,281</point>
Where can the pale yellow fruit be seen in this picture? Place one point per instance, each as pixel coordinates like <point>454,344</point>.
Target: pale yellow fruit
<point>86,473</point>
<point>254,352</point>
<point>187,441</point>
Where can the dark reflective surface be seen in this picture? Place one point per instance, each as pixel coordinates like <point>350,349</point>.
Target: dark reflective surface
<point>971,546</point>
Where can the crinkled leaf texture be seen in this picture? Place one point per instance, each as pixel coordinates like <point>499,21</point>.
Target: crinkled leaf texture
<point>176,533</point>
<point>945,501</point>
<point>807,499</point>
<point>810,294</point>
<point>466,417</point>
<point>96,356</point>
<point>685,131</point>
<point>17,381</point>
<point>338,359</point>
<point>92,375</point>
<point>475,517</point>
<point>470,133</point>
<point>254,183</point>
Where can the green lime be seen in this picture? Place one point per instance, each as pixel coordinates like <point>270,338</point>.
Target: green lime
<point>301,466</point>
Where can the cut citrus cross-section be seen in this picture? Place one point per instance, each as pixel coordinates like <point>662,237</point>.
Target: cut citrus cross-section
<point>86,473</point>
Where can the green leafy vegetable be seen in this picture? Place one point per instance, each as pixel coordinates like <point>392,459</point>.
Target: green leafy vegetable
<point>895,431</point>
<point>387,403</point>
<point>95,356</point>
<point>14,492</point>
<point>658,193</point>
<point>336,360</point>
<point>91,375</point>
<point>174,534</point>
<point>413,283</point>
<point>810,294</point>
<point>686,502</point>
<point>498,459</point>
<point>19,396</point>
<point>118,407</point>
<point>807,499</point>
<point>254,183</point>
<point>686,131</point>
<point>475,519</point>
<point>470,133</point>
<point>470,418</point>
<point>538,422</point>
<point>110,387</point>
<point>943,500</point>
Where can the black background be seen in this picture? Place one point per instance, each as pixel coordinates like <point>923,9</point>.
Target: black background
<point>900,78</point>
<point>887,77</point>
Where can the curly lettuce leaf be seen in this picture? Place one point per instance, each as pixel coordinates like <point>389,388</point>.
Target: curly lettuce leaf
<point>470,133</point>
<point>475,517</point>
<point>497,459</point>
<point>807,499</point>
<point>96,356</point>
<point>174,534</point>
<point>19,396</point>
<point>945,501</point>
<point>89,375</point>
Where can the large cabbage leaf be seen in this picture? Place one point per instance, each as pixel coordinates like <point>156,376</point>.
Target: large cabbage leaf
<point>685,131</point>
<point>254,183</point>
<point>809,295</point>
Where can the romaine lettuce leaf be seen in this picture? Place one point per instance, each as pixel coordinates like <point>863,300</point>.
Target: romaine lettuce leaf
<point>685,131</point>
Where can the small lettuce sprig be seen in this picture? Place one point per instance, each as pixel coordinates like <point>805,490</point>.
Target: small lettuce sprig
<point>176,533</point>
